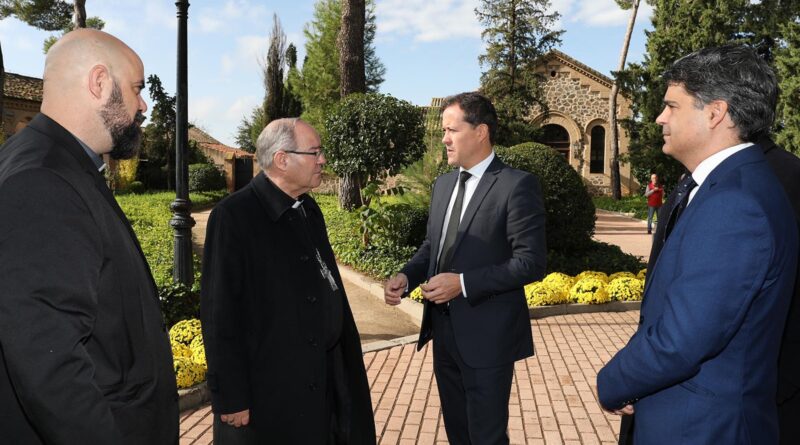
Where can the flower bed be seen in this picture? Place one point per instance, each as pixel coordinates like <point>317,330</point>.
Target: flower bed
<point>588,287</point>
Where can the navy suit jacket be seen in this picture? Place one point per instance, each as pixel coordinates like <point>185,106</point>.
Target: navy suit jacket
<point>500,247</point>
<point>702,366</point>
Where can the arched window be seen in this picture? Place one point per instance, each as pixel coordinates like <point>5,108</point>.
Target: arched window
<point>557,137</point>
<point>598,156</point>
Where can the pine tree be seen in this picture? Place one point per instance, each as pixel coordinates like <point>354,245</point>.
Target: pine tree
<point>517,34</point>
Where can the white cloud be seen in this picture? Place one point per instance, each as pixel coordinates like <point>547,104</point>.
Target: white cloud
<point>159,13</point>
<point>241,107</point>
<point>208,23</point>
<point>235,9</point>
<point>597,13</point>
<point>427,20</point>
<point>204,108</point>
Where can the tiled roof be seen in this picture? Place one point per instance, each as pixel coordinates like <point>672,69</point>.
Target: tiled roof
<point>18,86</point>
<point>201,137</point>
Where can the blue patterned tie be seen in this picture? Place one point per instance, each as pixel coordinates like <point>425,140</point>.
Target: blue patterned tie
<point>684,190</point>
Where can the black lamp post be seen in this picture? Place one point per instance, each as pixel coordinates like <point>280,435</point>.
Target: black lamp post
<point>182,221</point>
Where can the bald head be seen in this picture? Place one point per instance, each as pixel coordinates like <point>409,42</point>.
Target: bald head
<point>82,71</point>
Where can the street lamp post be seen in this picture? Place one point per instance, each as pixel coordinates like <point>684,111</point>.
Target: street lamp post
<point>182,221</point>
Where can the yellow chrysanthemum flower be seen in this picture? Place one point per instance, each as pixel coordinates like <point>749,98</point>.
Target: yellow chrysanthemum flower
<point>626,289</point>
<point>589,290</point>
<point>185,331</point>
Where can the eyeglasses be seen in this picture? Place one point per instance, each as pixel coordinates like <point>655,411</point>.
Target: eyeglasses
<point>316,153</point>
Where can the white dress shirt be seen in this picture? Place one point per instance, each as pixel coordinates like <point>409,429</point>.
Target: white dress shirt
<point>708,165</point>
<point>476,173</point>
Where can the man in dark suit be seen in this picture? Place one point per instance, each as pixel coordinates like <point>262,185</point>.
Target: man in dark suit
<point>284,357</point>
<point>485,241</point>
<point>85,357</point>
<point>702,367</point>
<point>787,169</point>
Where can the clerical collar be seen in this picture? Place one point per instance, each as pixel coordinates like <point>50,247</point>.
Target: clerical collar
<point>96,159</point>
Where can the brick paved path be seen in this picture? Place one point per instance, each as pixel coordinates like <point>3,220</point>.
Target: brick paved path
<point>552,398</point>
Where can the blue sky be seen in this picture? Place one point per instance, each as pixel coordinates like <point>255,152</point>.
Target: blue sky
<point>430,47</point>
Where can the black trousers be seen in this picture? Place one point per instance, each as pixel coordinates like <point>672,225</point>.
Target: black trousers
<point>474,400</point>
<point>626,430</point>
<point>789,420</point>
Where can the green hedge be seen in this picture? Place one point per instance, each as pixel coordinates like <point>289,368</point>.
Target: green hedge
<point>205,178</point>
<point>628,204</point>
<point>570,212</point>
<point>597,256</point>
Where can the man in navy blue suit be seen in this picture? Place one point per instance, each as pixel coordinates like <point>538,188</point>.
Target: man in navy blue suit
<point>702,366</point>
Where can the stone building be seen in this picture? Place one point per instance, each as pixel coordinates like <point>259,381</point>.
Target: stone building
<point>22,99</point>
<point>576,123</point>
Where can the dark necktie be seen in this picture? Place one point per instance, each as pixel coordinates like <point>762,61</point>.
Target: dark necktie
<point>452,225</point>
<point>682,198</point>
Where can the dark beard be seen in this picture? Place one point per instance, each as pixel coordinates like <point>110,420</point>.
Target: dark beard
<point>126,135</point>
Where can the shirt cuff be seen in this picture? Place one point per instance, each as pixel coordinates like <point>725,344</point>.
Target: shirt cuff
<point>463,288</point>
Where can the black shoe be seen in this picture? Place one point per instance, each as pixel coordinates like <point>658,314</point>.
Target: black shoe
<point>649,232</point>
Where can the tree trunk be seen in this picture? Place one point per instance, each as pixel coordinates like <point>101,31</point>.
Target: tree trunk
<point>351,47</point>
<point>80,14</point>
<point>350,42</point>
<point>349,192</point>
<point>616,186</point>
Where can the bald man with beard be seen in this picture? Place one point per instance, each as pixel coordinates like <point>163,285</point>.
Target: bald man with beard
<point>84,355</point>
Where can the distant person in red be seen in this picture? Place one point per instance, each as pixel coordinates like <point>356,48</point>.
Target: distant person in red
<point>655,197</point>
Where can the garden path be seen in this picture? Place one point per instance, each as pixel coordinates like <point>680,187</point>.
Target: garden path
<point>553,393</point>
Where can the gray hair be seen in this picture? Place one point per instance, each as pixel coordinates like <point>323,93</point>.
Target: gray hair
<point>277,135</point>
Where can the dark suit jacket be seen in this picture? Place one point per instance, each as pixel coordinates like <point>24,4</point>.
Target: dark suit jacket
<point>713,315</point>
<point>85,356</point>
<point>787,169</point>
<point>500,248</point>
<point>264,319</point>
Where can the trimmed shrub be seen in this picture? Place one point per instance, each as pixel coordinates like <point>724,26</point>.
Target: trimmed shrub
<point>602,276</point>
<point>178,302</point>
<point>205,178</point>
<point>597,256</point>
<point>180,350</point>
<point>570,211</point>
<point>187,372</point>
<point>136,187</point>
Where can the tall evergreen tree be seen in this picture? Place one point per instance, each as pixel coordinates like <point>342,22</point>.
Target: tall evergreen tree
<point>350,44</point>
<point>291,98</point>
<point>517,34</point>
<point>273,72</point>
<point>321,78</point>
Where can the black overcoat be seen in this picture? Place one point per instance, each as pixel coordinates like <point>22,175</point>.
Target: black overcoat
<point>263,319</point>
<point>85,356</point>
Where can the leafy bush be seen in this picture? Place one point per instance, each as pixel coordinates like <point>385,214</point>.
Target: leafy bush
<point>371,134</point>
<point>178,302</point>
<point>205,178</point>
<point>628,204</point>
<point>188,353</point>
<point>570,212</point>
<point>596,256</point>
<point>541,293</point>
<point>136,187</point>
<point>380,259</point>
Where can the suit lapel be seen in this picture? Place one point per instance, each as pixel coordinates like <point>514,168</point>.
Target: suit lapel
<point>484,185</point>
<point>439,210</point>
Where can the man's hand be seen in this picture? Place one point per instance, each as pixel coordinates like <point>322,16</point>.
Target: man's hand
<point>242,418</point>
<point>625,410</point>
<point>394,289</point>
<point>442,288</point>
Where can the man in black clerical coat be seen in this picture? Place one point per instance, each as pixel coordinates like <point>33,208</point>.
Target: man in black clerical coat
<point>284,358</point>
